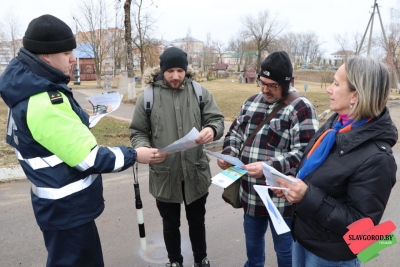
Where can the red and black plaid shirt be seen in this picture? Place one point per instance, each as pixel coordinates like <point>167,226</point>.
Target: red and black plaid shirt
<point>280,143</point>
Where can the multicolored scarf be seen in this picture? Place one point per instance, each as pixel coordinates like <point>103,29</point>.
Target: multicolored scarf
<point>319,152</point>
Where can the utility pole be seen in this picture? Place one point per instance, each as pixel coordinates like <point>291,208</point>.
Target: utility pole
<point>77,72</point>
<point>389,53</point>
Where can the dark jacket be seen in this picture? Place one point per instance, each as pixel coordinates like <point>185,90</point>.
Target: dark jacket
<point>54,145</point>
<point>354,182</point>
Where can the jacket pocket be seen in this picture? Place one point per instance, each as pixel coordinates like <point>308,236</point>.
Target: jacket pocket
<point>275,133</point>
<point>160,182</point>
<point>202,175</point>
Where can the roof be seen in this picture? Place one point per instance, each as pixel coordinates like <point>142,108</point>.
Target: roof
<point>83,51</point>
<point>250,73</point>
<point>184,40</point>
<point>221,66</point>
<point>343,52</point>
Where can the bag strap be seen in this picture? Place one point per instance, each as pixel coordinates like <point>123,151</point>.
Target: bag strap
<point>286,101</point>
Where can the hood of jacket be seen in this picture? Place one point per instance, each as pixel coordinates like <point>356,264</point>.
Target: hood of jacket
<point>152,75</point>
<point>380,128</point>
<point>27,75</point>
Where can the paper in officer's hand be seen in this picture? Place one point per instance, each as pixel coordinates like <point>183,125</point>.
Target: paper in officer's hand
<point>186,142</point>
<point>271,174</point>
<point>232,160</point>
<point>103,104</point>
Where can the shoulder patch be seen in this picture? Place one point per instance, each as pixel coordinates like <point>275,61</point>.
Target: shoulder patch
<point>55,97</point>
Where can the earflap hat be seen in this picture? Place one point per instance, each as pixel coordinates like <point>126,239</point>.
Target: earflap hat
<point>278,67</point>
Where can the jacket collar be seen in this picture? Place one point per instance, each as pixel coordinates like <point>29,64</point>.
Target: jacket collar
<point>379,128</point>
<point>152,75</point>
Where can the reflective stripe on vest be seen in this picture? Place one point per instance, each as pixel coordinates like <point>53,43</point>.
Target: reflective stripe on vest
<point>57,193</point>
<point>88,161</point>
<point>39,163</point>
<point>119,158</point>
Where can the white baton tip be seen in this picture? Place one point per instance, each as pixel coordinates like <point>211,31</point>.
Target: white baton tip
<point>139,214</point>
<point>143,243</point>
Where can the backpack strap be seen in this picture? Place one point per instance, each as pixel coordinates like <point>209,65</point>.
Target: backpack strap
<point>199,95</point>
<point>148,99</point>
<point>148,96</point>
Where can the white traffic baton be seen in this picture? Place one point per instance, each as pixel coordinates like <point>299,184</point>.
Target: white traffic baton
<point>139,210</point>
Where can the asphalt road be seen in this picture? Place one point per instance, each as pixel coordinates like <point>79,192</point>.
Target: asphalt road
<point>21,242</point>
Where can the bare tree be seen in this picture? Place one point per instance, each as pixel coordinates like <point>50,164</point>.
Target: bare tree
<point>209,55</point>
<point>143,28</point>
<point>350,45</point>
<point>393,39</point>
<point>237,44</point>
<point>12,30</point>
<point>151,54</point>
<point>93,21</point>
<point>219,48</point>
<point>263,30</point>
<point>289,42</point>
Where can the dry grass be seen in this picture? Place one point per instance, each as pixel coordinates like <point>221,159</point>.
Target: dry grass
<point>228,95</point>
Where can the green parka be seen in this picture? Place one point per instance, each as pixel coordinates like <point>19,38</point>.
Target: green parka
<point>174,113</point>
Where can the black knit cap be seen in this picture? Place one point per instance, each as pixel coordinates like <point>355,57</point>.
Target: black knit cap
<point>278,67</point>
<point>48,35</point>
<point>173,58</point>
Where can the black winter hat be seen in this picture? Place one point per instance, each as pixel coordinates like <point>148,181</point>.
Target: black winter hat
<point>173,58</point>
<point>48,35</point>
<point>278,67</point>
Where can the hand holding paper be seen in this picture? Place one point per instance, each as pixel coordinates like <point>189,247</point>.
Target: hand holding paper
<point>186,142</point>
<point>271,174</point>
<point>232,160</point>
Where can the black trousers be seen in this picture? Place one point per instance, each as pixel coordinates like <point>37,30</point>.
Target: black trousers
<point>195,215</point>
<point>78,247</point>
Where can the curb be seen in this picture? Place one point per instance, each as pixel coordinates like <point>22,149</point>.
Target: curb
<point>11,173</point>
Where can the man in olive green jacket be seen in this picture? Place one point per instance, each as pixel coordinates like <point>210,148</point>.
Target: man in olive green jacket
<point>182,176</point>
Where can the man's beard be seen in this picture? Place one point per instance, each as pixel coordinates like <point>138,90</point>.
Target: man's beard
<point>174,86</point>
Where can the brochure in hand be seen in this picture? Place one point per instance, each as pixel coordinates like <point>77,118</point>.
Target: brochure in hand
<point>228,176</point>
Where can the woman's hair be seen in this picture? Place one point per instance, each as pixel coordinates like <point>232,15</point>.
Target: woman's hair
<point>370,79</point>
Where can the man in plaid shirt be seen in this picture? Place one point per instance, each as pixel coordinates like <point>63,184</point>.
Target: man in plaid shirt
<point>280,144</point>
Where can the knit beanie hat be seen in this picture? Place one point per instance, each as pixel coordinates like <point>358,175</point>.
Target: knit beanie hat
<point>173,58</point>
<point>278,67</point>
<point>48,35</point>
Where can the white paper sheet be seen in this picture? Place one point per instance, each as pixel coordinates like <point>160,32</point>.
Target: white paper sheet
<point>228,176</point>
<point>271,174</point>
<point>182,144</point>
<point>232,160</point>
<point>103,104</point>
<point>279,223</point>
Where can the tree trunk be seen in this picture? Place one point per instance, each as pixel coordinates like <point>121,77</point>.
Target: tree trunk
<point>128,42</point>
